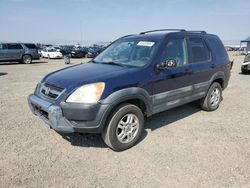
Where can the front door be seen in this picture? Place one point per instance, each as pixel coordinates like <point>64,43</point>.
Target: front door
<point>3,51</point>
<point>173,86</point>
<point>14,51</point>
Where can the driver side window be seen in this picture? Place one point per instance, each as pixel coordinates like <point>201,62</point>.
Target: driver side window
<point>176,49</point>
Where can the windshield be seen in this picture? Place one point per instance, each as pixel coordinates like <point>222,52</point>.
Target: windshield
<point>128,53</point>
<point>247,58</point>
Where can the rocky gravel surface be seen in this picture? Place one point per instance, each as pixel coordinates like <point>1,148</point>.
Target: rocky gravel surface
<point>182,147</point>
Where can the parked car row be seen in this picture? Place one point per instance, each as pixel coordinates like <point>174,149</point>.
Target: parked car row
<point>229,48</point>
<point>72,51</point>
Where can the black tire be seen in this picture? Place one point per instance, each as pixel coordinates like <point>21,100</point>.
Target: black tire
<point>206,103</point>
<point>110,134</point>
<point>243,71</point>
<point>26,59</point>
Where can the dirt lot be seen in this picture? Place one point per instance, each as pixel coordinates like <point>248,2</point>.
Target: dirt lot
<point>183,147</point>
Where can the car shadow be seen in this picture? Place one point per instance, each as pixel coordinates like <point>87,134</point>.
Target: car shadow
<point>170,116</point>
<point>84,140</point>
<point>154,122</point>
<point>3,73</point>
<point>248,73</point>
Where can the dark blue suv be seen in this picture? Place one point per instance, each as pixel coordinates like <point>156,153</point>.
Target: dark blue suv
<point>134,77</point>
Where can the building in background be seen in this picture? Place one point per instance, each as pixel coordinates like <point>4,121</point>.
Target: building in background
<point>247,41</point>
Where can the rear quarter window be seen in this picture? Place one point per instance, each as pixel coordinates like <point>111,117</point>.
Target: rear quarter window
<point>31,46</point>
<point>15,46</point>
<point>218,48</point>
<point>199,50</point>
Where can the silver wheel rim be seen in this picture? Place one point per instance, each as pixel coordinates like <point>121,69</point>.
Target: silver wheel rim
<point>127,128</point>
<point>27,59</point>
<point>215,97</point>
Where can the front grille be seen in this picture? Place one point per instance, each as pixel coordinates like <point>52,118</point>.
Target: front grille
<point>51,91</point>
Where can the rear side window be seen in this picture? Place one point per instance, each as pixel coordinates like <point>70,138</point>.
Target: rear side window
<point>199,50</point>
<point>31,46</point>
<point>15,46</point>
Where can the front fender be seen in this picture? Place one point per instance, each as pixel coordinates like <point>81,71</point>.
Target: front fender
<point>129,94</point>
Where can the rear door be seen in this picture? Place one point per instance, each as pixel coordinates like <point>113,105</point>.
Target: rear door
<point>15,51</point>
<point>203,65</point>
<point>173,86</point>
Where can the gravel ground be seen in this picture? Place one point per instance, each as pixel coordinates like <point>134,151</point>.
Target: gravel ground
<point>182,147</point>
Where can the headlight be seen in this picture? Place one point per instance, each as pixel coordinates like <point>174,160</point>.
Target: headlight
<point>90,93</point>
<point>73,52</point>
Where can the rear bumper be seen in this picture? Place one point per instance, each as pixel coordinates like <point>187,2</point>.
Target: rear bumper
<point>68,118</point>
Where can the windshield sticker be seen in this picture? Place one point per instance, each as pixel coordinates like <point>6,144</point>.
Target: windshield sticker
<point>145,43</point>
<point>107,59</point>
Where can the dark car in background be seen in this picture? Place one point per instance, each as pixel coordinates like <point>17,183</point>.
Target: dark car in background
<point>92,53</point>
<point>66,50</point>
<point>79,52</point>
<point>21,52</point>
<point>245,67</point>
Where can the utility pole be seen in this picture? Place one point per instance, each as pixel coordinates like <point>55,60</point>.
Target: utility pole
<point>81,36</point>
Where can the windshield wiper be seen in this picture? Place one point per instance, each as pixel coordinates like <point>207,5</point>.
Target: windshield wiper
<point>112,63</point>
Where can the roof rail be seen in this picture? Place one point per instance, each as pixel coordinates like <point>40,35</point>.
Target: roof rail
<point>181,30</point>
<point>204,32</point>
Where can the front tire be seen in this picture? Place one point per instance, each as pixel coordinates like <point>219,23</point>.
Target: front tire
<point>27,59</point>
<point>213,98</point>
<point>243,71</point>
<point>124,127</point>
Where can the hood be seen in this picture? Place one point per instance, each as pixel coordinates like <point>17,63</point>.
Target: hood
<point>78,75</point>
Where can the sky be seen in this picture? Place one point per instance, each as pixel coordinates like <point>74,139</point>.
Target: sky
<point>71,21</point>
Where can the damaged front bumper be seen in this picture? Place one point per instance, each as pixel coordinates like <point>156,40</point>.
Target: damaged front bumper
<point>67,118</point>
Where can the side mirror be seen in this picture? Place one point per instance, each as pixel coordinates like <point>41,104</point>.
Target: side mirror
<point>167,64</point>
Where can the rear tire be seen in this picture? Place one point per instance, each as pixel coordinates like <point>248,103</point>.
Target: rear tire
<point>27,59</point>
<point>213,98</point>
<point>124,127</point>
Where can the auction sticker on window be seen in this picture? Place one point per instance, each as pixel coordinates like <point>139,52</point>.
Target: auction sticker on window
<point>145,43</point>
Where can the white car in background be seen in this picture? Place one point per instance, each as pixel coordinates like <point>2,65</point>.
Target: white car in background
<point>51,53</point>
<point>245,66</point>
